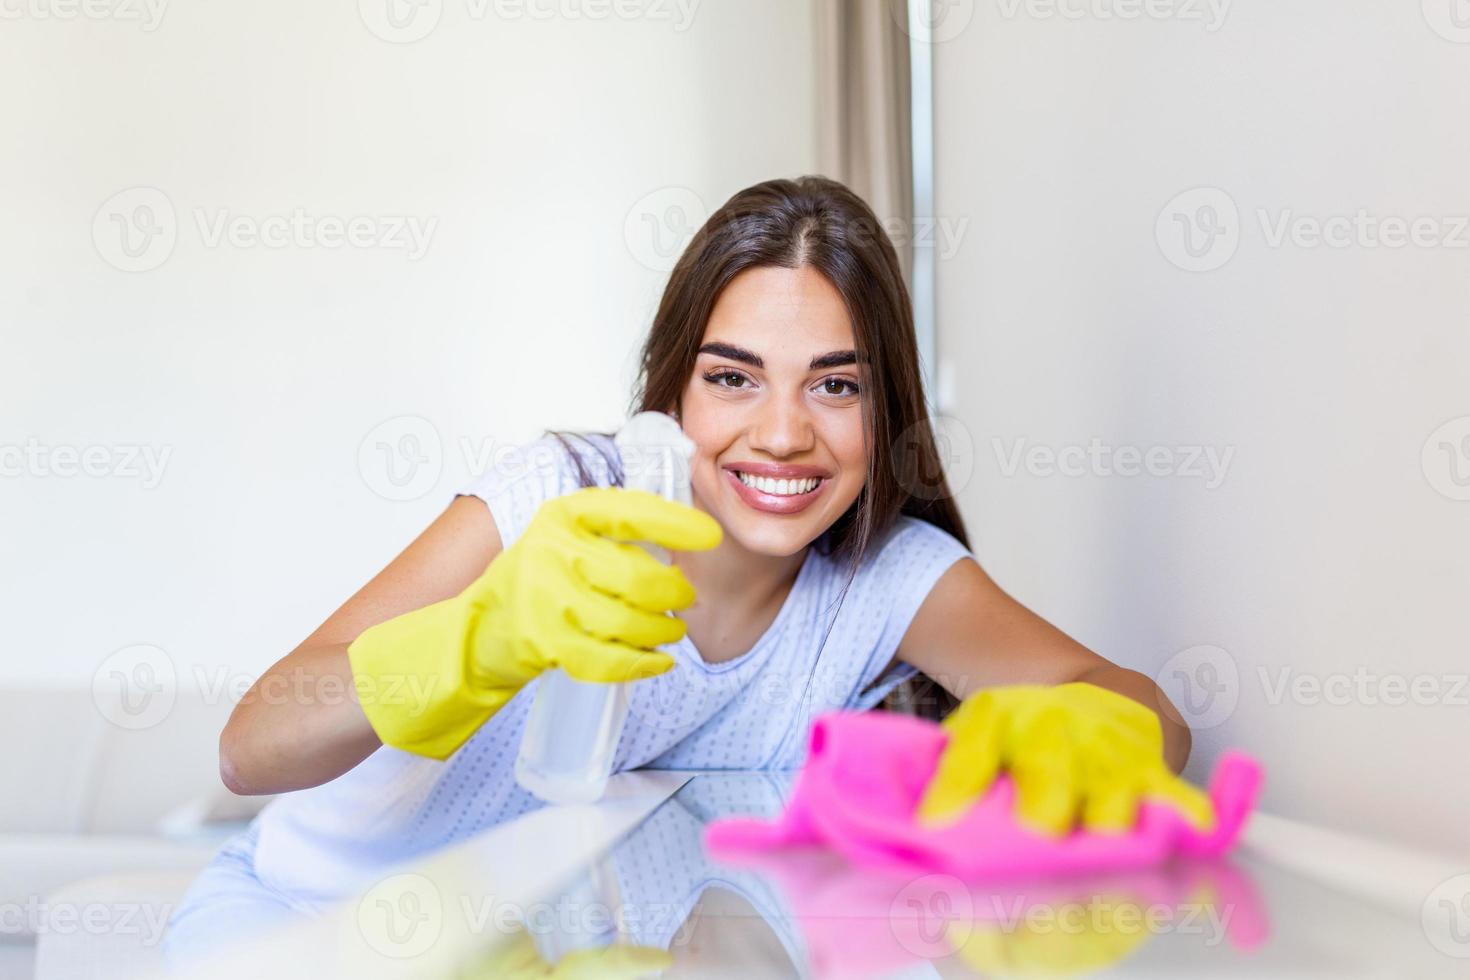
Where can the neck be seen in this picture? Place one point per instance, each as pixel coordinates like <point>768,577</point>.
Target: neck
<point>735,581</point>
<point>733,578</point>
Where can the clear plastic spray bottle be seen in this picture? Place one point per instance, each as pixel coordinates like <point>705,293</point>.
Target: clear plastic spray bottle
<point>573,727</point>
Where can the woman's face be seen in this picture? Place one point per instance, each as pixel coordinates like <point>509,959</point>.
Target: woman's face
<point>774,408</point>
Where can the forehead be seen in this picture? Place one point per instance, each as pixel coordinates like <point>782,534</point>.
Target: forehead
<point>774,311</point>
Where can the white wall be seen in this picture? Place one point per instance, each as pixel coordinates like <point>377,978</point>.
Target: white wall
<point>1328,547</point>
<point>261,370</point>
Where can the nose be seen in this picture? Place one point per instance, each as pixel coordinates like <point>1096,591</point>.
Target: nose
<point>783,426</point>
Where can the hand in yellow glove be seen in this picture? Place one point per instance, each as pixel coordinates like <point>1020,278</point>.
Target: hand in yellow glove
<point>1074,749</point>
<point>569,593</point>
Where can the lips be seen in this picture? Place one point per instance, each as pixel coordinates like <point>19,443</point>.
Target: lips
<point>779,471</point>
<point>772,503</point>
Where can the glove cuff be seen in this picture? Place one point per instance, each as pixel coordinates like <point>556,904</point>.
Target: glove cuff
<point>411,677</point>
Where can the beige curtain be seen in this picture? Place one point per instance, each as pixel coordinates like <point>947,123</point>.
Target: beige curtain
<point>863,124</point>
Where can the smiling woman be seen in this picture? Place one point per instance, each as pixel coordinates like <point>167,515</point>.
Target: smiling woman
<point>822,564</point>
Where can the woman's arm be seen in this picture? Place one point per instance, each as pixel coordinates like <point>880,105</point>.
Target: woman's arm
<point>969,634</point>
<point>300,723</point>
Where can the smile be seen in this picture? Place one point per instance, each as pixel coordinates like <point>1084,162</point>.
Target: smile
<point>781,488</point>
<point>776,496</point>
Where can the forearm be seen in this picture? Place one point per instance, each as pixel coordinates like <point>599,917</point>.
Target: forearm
<point>1132,684</point>
<point>298,726</point>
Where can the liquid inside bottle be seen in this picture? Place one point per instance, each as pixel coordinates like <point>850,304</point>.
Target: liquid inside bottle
<point>573,727</point>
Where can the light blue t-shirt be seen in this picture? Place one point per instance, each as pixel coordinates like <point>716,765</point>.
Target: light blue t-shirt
<point>752,712</point>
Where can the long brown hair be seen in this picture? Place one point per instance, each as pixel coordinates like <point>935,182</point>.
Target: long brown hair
<point>819,223</point>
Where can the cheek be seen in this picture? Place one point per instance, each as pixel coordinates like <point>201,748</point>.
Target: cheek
<point>845,442</point>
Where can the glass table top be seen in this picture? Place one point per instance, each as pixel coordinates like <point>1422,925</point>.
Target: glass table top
<point>627,889</point>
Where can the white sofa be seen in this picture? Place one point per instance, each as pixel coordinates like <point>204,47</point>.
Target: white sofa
<point>103,828</point>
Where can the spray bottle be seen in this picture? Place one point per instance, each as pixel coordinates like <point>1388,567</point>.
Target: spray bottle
<point>573,727</point>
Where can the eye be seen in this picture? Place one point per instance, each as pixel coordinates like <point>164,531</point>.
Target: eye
<point>737,379</point>
<point>842,387</point>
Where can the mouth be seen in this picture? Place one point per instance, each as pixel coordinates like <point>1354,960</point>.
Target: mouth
<point>776,495</point>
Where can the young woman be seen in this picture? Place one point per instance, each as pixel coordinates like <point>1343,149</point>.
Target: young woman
<point>822,564</point>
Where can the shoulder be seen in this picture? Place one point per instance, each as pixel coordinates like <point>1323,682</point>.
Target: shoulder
<point>900,568</point>
<point>896,577</point>
<point>517,478</point>
<point>913,546</point>
<point>912,558</point>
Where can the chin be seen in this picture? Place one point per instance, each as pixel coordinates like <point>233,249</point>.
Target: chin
<point>773,542</point>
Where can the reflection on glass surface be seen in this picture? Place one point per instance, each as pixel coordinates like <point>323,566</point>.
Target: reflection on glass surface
<point>876,923</point>
<point>657,903</point>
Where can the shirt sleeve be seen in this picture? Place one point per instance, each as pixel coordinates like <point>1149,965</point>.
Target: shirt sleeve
<point>521,478</point>
<point>914,557</point>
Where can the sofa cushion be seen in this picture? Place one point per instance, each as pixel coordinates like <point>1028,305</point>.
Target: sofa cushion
<point>33,866</point>
<point>110,927</point>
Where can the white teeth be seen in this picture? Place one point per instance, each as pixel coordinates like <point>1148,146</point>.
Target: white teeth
<point>781,488</point>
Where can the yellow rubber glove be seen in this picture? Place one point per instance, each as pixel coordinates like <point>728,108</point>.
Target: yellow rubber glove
<point>568,593</point>
<point>1071,749</point>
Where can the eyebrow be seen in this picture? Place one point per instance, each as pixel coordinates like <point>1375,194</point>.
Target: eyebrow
<point>836,358</point>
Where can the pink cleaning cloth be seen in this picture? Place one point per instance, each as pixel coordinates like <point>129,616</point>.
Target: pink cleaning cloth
<point>866,772</point>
